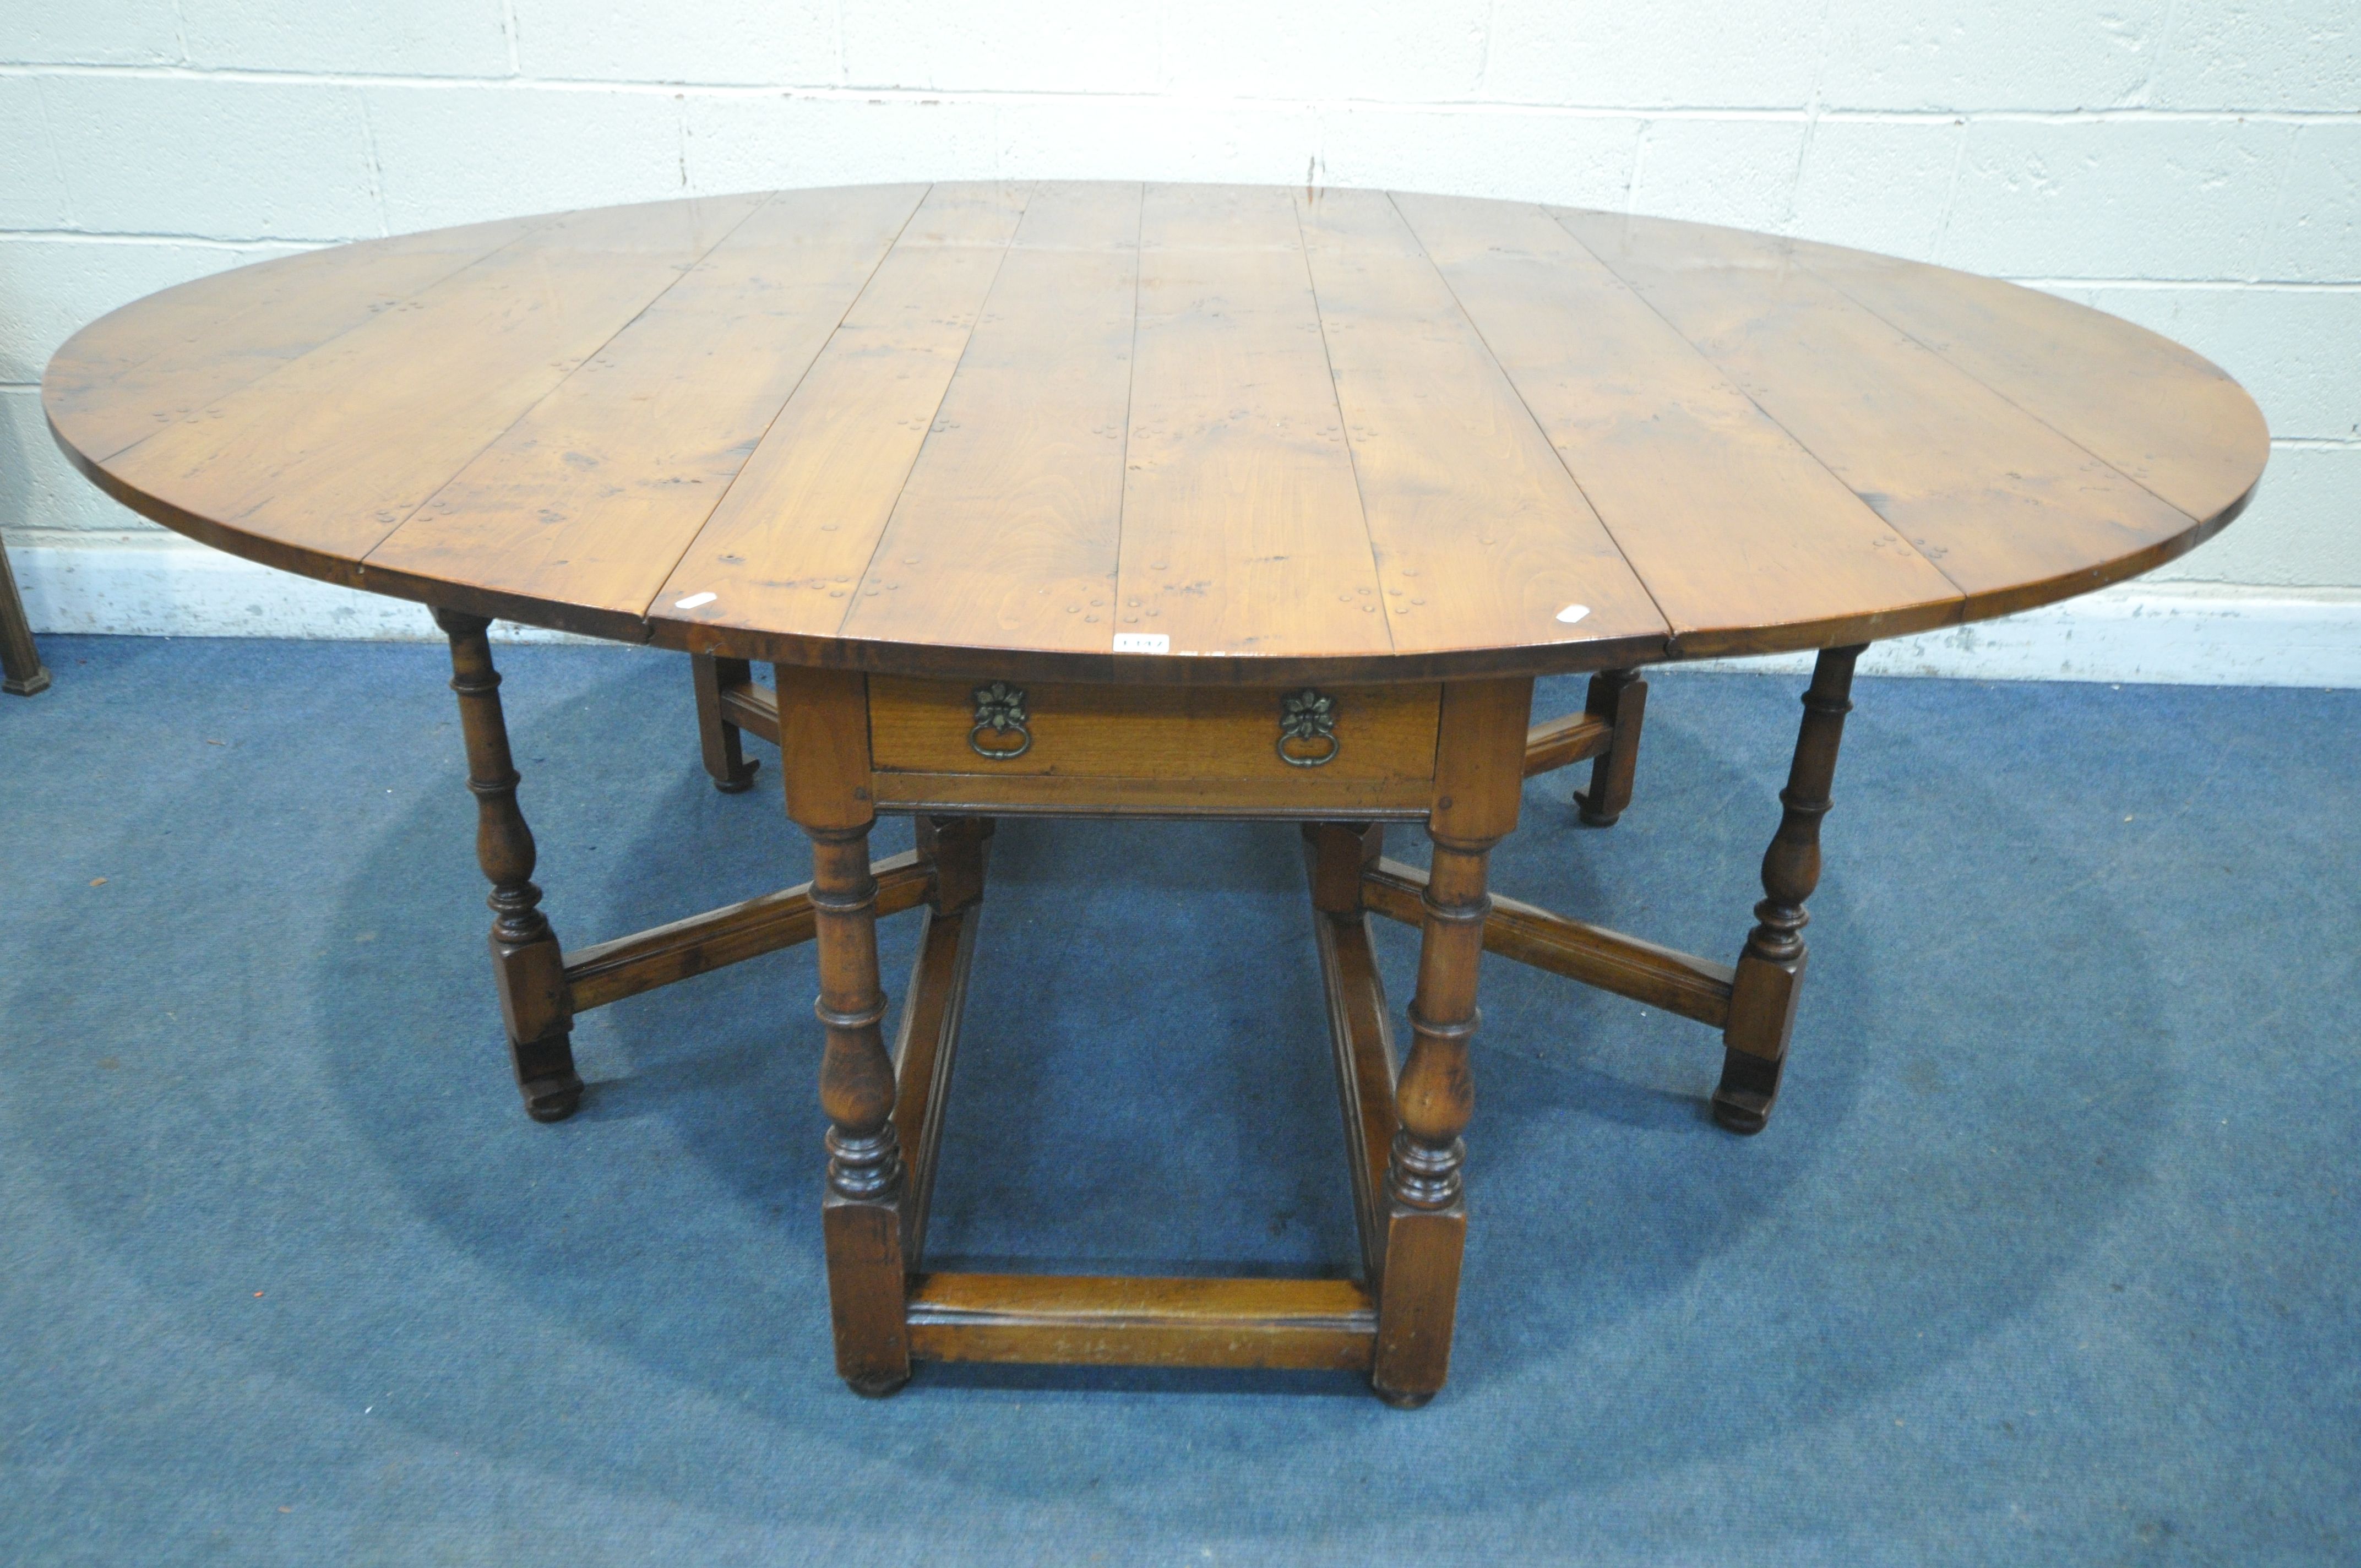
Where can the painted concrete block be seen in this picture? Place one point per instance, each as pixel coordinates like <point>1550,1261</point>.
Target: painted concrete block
<point>1882,186</point>
<point>2181,633</point>
<point>2314,233</point>
<point>1155,138</point>
<point>743,143</point>
<point>40,493</point>
<point>89,32</point>
<point>1252,48</point>
<point>1023,46</point>
<point>1679,54</point>
<point>2303,527</point>
<point>750,42</point>
<point>165,586</point>
<point>2261,54</point>
<point>32,183</point>
<point>2013,54</point>
<point>411,38</point>
<point>1576,161</point>
<point>1740,172</point>
<point>2116,198</point>
<point>2295,349</point>
<point>455,155</point>
<point>50,288</point>
<point>223,158</point>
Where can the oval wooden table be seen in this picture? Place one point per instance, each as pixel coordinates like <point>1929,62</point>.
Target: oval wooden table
<point>1171,501</point>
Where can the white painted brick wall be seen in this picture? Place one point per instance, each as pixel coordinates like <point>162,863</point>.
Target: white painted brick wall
<point>374,38</point>
<point>1682,54</point>
<point>2194,165</point>
<point>753,43</point>
<point>453,154</point>
<point>2141,198</point>
<point>1944,55</point>
<point>93,32</point>
<point>212,156</point>
<point>50,288</point>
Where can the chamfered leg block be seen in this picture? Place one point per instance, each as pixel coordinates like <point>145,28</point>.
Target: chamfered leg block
<point>823,722</point>
<point>526,959</point>
<point>1769,970</point>
<point>724,749</point>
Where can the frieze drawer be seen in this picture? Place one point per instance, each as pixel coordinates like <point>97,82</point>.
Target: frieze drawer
<point>1334,735</point>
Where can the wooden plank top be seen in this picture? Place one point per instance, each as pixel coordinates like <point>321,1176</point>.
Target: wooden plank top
<point>1171,433</point>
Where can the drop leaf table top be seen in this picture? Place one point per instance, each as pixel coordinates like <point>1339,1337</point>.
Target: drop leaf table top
<point>1334,435</point>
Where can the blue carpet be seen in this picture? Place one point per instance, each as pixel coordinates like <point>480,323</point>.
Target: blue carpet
<point>2047,1256</point>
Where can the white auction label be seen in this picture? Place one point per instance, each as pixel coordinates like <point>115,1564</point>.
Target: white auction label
<point>1142,643</point>
<point>1573,613</point>
<point>693,601</point>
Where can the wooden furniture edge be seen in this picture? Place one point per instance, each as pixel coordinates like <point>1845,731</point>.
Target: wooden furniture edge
<point>752,708</point>
<point>1610,960</point>
<point>681,949</point>
<point>1101,1321</point>
<point>1549,745</point>
<point>1060,795</point>
<point>1561,742</point>
<point>926,660</point>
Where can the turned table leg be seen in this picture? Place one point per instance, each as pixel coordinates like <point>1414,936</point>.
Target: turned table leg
<point>725,754</point>
<point>1479,776</point>
<point>823,719</point>
<point>1426,1226</point>
<point>1620,697</point>
<point>526,959</point>
<point>21,670</point>
<point>1771,969</point>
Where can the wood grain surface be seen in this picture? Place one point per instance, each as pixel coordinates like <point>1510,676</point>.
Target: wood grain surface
<point>1174,435</point>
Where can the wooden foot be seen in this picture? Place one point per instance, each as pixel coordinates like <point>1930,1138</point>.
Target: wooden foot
<point>725,754</point>
<point>823,720</point>
<point>1749,1084</point>
<point>21,670</point>
<point>1770,971</point>
<point>527,964</point>
<point>1619,697</point>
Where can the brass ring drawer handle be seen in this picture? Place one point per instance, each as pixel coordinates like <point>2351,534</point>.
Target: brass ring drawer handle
<point>1306,719</point>
<point>999,707</point>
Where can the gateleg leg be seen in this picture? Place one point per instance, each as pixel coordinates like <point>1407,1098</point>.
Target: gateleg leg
<point>1771,968</point>
<point>527,962</point>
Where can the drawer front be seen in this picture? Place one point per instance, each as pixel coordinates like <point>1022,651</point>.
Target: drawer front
<point>1363,735</point>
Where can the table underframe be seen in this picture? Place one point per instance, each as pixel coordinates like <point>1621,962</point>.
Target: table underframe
<point>1403,1115</point>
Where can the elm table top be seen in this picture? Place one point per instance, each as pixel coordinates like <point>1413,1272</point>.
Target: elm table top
<point>1339,435</point>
